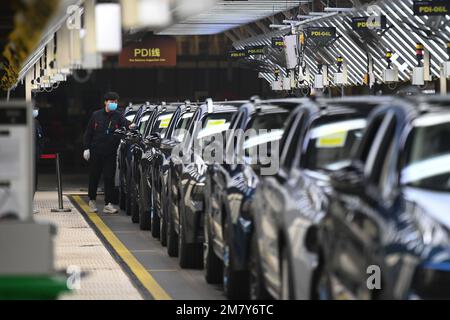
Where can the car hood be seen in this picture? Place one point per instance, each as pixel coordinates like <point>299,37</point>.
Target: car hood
<point>436,204</point>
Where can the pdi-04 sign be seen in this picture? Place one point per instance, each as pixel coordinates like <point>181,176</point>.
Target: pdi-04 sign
<point>431,8</point>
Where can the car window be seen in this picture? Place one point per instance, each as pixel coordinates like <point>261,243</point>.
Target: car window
<point>289,144</point>
<point>162,123</point>
<point>428,154</point>
<point>143,123</point>
<point>330,142</point>
<point>182,126</point>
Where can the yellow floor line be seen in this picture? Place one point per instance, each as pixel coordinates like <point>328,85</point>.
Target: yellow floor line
<point>157,292</point>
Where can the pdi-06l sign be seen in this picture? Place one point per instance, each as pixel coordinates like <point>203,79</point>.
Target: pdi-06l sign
<point>326,33</point>
<point>431,8</point>
<point>369,23</point>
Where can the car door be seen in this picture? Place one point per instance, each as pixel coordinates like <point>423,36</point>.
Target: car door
<point>274,195</point>
<point>358,217</point>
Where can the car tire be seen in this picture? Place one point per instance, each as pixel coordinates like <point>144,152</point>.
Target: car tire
<point>232,279</point>
<point>144,216</point>
<point>212,263</point>
<point>256,287</point>
<point>155,224</point>
<point>134,203</point>
<point>323,285</point>
<point>286,280</point>
<point>163,230</point>
<point>190,255</point>
<point>122,198</point>
<point>172,238</point>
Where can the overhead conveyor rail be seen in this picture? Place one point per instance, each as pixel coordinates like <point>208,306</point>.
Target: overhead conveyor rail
<point>403,31</point>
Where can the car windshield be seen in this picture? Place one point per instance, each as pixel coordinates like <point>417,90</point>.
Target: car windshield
<point>330,144</point>
<point>428,154</point>
<point>266,129</point>
<point>162,124</point>
<point>130,116</point>
<point>143,122</point>
<point>182,126</point>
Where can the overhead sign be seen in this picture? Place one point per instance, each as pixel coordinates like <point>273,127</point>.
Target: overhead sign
<point>277,42</point>
<point>158,51</point>
<point>321,33</point>
<point>255,50</point>
<point>369,23</point>
<point>237,54</point>
<point>431,8</point>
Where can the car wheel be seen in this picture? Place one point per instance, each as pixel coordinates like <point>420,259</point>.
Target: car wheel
<point>257,288</point>
<point>232,279</point>
<point>163,229</point>
<point>155,213</point>
<point>213,265</point>
<point>172,240</point>
<point>122,200</point>
<point>134,203</point>
<point>128,198</point>
<point>287,289</point>
<point>144,216</point>
<point>323,285</point>
<point>190,255</point>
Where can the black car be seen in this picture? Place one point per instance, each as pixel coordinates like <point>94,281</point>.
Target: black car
<point>230,187</point>
<point>187,180</point>
<point>129,138</point>
<point>130,113</point>
<point>141,200</point>
<point>159,157</point>
<point>386,234</point>
<point>287,206</point>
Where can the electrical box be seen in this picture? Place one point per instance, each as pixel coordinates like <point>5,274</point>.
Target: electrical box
<point>26,248</point>
<point>339,78</point>
<point>286,83</point>
<point>418,76</point>
<point>290,43</point>
<point>390,75</point>
<point>318,81</point>
<point>16,160</point>
<point>446,69</point>
<point>304,77</point>
<point>277,85</point>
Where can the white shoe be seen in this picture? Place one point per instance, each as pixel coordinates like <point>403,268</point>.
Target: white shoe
<point>109,208</point>
<point>93,206</point>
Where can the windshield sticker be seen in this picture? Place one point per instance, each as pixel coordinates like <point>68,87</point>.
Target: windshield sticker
<point>215,122</point>
<point>335,140</point>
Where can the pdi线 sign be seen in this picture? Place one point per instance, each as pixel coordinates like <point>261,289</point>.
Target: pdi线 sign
<point>431,8</point>
<point>158,51</point>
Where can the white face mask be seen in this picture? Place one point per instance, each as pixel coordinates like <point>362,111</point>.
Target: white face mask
<point>35,113</point>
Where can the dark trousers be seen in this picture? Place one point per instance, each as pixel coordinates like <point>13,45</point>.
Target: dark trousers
<point>99,164</point>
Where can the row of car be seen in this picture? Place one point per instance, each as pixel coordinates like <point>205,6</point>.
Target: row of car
<point>357,204</point>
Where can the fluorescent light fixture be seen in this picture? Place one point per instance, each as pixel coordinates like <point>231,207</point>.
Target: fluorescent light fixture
<point>154,13</point>
<point>108,27</point>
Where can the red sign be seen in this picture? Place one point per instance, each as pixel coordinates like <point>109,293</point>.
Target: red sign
<point>158,51</point>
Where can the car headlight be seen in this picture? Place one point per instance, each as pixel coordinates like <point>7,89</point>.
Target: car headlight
<point>433,233</point>
<point>198,191</point>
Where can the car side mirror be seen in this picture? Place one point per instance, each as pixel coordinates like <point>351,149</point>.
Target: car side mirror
<point>121,132</point>
<point>155,139</point>
<point>348,180</point>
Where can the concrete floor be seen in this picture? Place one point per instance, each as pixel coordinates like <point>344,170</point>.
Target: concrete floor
<point>176,282</point>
